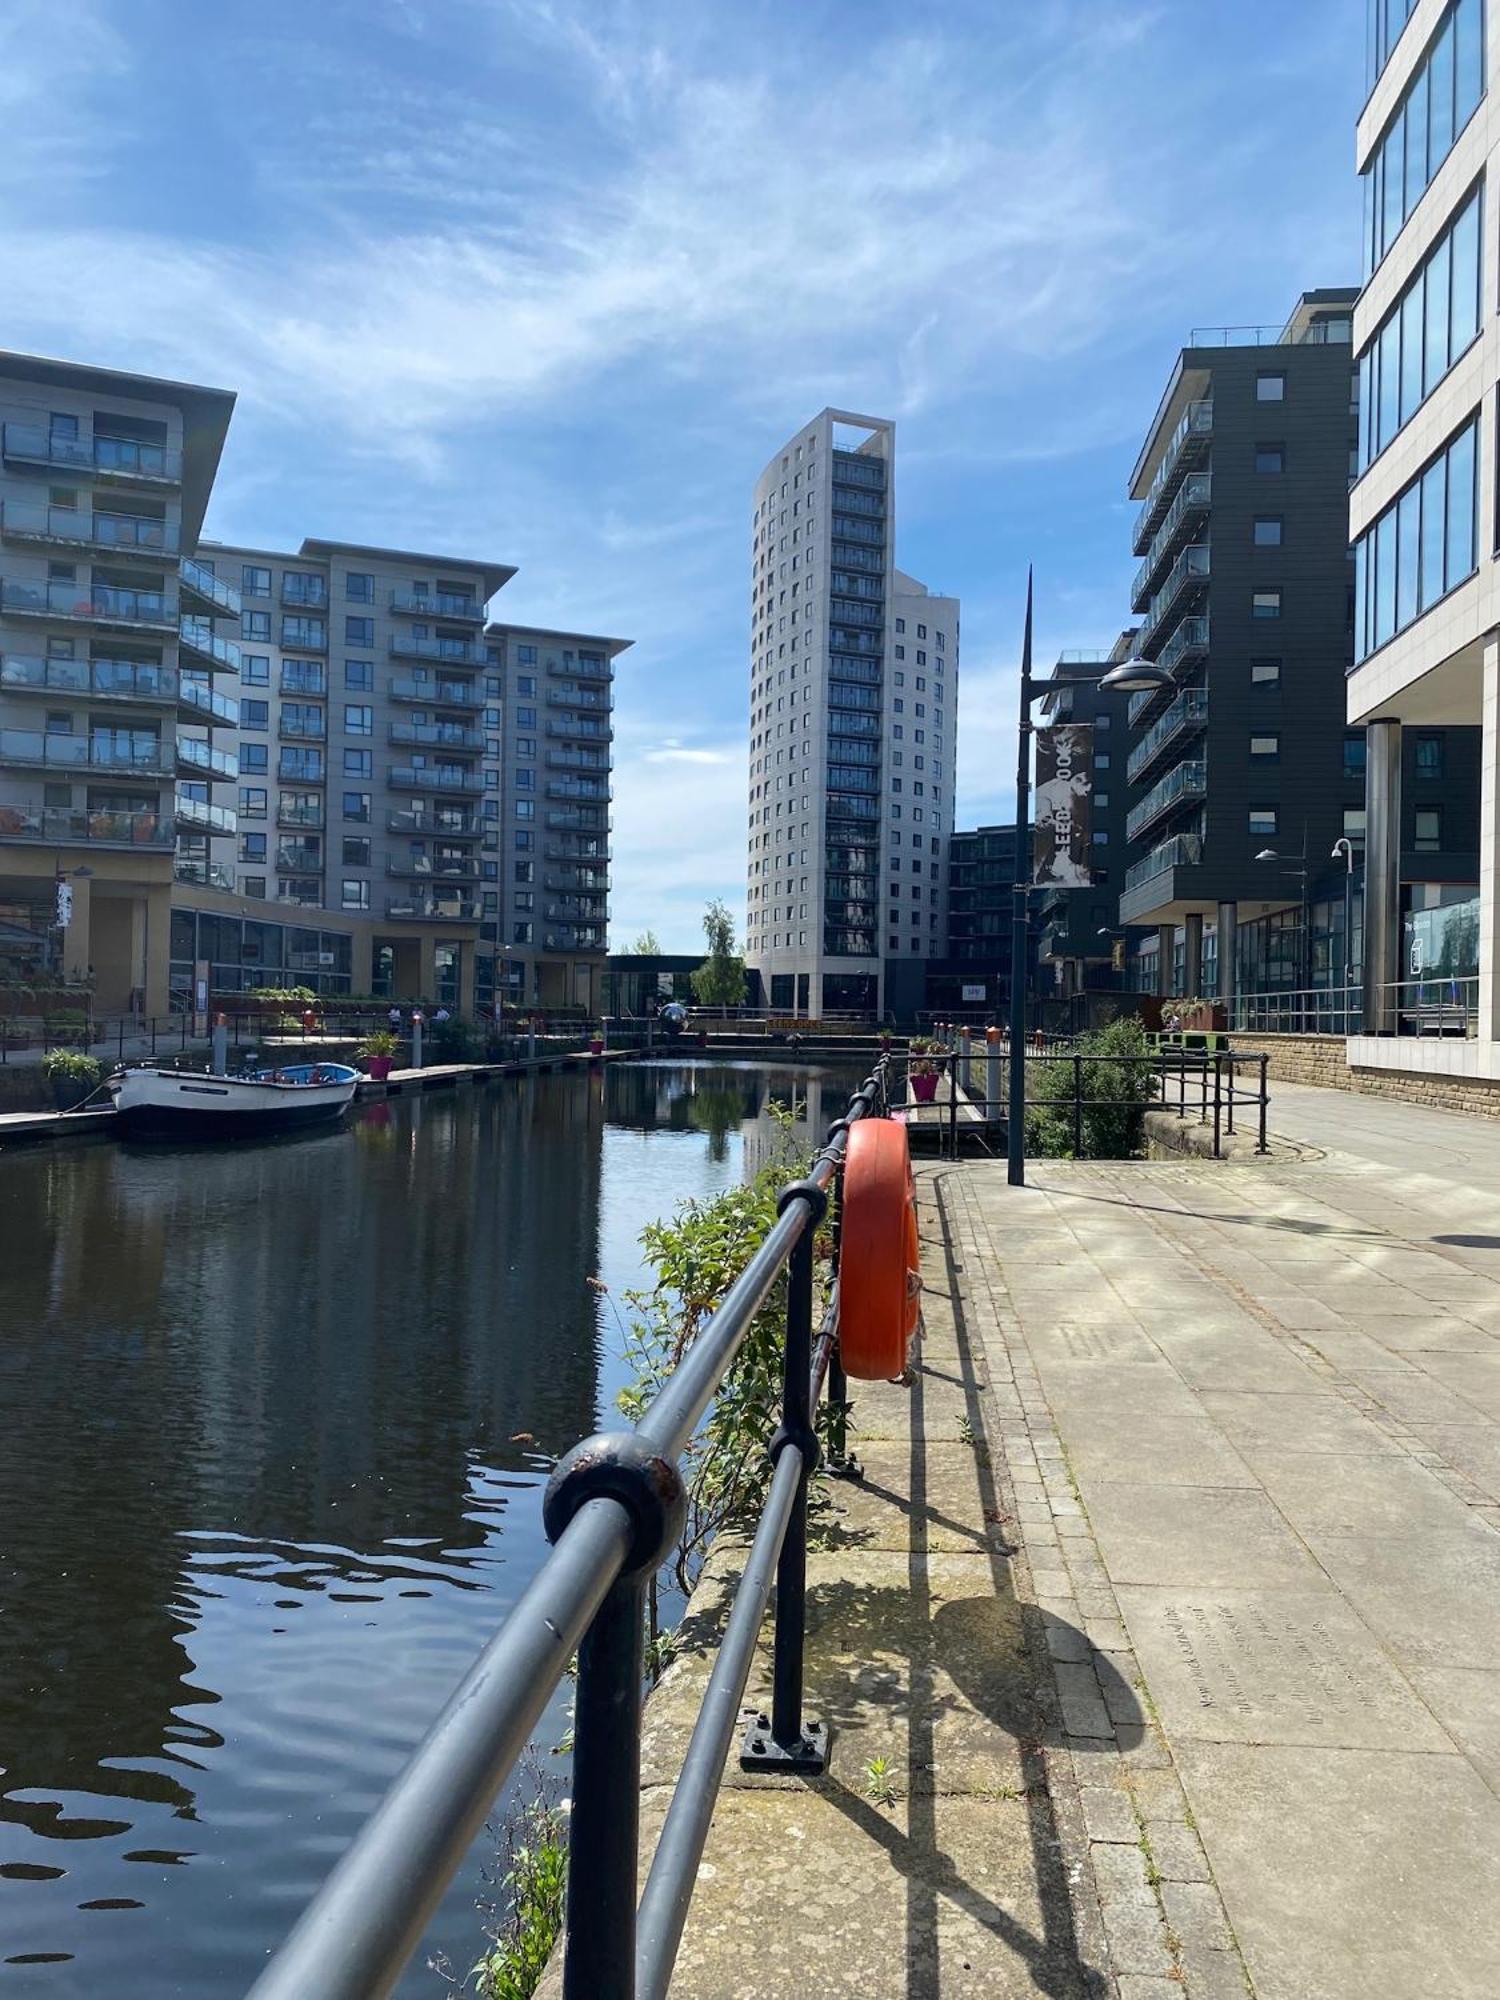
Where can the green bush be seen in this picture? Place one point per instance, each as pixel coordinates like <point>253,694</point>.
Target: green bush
<point>1117,1067</point>
<point>535,1881</point>
<point>454,1040</point>
<point>72,1066</point>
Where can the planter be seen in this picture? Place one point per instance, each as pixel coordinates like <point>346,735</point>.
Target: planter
<point>379,1067</point>
<point>596,1047</point>
<point>924,1087</point>
<point>70,1090</point>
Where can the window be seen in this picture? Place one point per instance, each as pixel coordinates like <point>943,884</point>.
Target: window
<point>1354,822</point>
<point>255,669</point>
<point>255,581</point>
<point>1354,755</point>
<point>252,847</point>
<point>1101,760</point>
<point>526,656</point>
<point>254,757</point>
<point>1428,757</point>
<point>525,683</point>
<point>1263,819</point>
<point>359,718</point>
<point>359,588</point>
<point>1268,531</point>
<point>521,934</point>
<point>252,801</point>
<point>255,715</point>
<point>900,624</point>
<point>1265,673</point>
<point>1383,24</point>
<point>299,629</point>
<point>253,885</point>
<point>1270,388</point>
<point>1438,104</point>
<point>1428,826</point>
<point>1270,458</point>
<point>525,718</point>
<point>360,675</point>
<point>359,764</point>
<point>1428,328</point>
<point>357,807</point>
<point>1266,604</point>
<point>359,631</point>
<point>255,625</point>
<point>1267,748</point>
<point>1421,547</point>
<point>354,894</point>
<point>356,851</point>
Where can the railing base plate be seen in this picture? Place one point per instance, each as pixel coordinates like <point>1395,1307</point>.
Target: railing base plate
<point>759,1751</point>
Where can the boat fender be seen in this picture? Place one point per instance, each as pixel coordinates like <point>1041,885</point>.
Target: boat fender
<point>880,1284</point>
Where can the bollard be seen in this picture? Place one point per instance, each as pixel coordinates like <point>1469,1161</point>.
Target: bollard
<point>219,1061</point>
<point>1262,1147</point>
<point>966,1058</point>
<point>993,1071</point>
<point>416,1039</point>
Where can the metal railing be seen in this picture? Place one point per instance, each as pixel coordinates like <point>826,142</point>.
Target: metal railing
<point>613,1508</point>
<point>1437,1004</point>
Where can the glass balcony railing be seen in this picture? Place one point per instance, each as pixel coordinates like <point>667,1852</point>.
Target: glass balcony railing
<point>206,703</point>
<point>577,882</point>
<point>1189,641</point>
<point>119,458</point>
<point>441,604</point>
<point>1189,572</point>
<point>304,593</point>
<point>433,909</point>
<point>103,604</point>
<point>1183,783</point>
<point>594,699</point>
<point>460,652</point>
<point>205,759</point>
<point>578,760</point>
<point>144,756</point>
<point>439,735</point>
<point>63,826</point>
<point>1187,713</point>
<point>434,778</point>
<point>579,788</point>
<point>199,581</point>
<point>580,819</point>
<point>437,693</point>
<point>305,678</point>
<point>205,644</point>
<point>1186,449</point>
<point>434,868</point>
<point>117,680</point>
<point>299,857</point>
<point>206,874</point>
<point>589,666</point>
<point>1194,499</point>
<point>77,528</point>
<point>300,812</point>
<point>301,729</point>
<point>1183,850</point>
<point>205,818</point>
<point>429,826</point>
<point>580,729</point>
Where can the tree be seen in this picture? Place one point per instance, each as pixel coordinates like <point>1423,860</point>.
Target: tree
<point>720,979</point>
<point>647,945</point>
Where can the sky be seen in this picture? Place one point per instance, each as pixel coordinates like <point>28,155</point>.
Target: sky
<point>549,281</point>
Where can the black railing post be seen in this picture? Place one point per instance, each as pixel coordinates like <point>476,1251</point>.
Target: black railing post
<point>604,1826</point>
<point>122,1039</point>
<point>952,1107</point>
<point>1229,1126</point>
<point>1078,1107</point>
<point>1264,1062</point>
<point>1218,1082</point>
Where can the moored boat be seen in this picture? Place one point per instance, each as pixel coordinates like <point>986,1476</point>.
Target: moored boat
<point>189,1104</point>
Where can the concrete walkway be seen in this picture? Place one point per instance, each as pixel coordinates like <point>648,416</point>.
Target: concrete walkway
<point>1261,1468</point>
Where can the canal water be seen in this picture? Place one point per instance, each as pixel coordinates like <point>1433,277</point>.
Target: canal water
<point>277,1417</point>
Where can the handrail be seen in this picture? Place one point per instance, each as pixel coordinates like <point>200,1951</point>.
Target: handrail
<point>612,1510</point>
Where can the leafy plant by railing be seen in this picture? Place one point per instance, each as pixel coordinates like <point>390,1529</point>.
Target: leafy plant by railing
<point>72,1066</point>
<point>1116,1082</point>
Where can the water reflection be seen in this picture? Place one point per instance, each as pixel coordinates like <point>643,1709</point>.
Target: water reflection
<point>277,1418</point>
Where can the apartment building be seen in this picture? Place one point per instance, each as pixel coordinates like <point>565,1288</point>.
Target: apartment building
<point>853,733</point>
<point>1425,530</point>
<point>110,716</point>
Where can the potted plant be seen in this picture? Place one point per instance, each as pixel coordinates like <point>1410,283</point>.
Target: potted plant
<point>379,1051</point>
<point>922,1071</point>
<point>73,1074</point>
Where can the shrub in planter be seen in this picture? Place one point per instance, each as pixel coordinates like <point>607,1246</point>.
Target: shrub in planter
<point>379,1051</point>
<point>72,1074</point>
<point>922,1071</point>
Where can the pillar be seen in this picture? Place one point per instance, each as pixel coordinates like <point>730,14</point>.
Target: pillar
<point>427,965</point>
<point>1489,844</point>
<point>1192,940</point>
<point>156,948</point>
<point>1383,874</point>
<point>467,955</point>
<point>1229,925</point>
<point>1166,947</point>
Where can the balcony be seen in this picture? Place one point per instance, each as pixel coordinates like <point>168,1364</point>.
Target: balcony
<point>300,729</point>
<point>434,826</point>
<point>299,857</point>
<point>1193,501</point>
<point>125,459</point>
<point>304,593</point>
<point>205,874</point>
<point>303,896</point>
<point>305,812</point>
<point>202,760</point>
<point>112,680</point>
<point>205,818</point>
<point>1189,642</point>
<point>1185,579</point>
<point>42,750</point>
<point>1148,884</point>
<point>455,652</point>
<point>597,792</point>
<point>578,882</point>
<point>1186,451</point>
<point>437,694</point>
<point>104,604</point>
<point>579,760</point>
<point>76,528</point>
<point>427,868</point>
<point>434,778</point>
<point>1186,715</point>
<point>301,767</point>
<point>209,592</point>
<point>435,735</point>
<point>306,679</point>
<point>600,699</point>
<point>580,820</point>
<point>304,635</point>
<point>442,604</point>
<point>580,852</point>
<point>575,913</point>
<point>1182,785</point>
<point>197,703</point>
<point>63,826</point>
<point>433,909</point>
<point>575,937</point>
<point>586,666</point>
<point>205,645</point>
<point>582,729</point>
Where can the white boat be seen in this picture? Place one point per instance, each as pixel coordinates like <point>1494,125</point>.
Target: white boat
<point>188,1104</point>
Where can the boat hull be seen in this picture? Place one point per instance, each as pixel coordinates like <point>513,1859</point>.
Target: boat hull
<point>171,1104</point>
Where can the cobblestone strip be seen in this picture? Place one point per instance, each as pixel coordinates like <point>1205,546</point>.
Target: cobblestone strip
<point>1165,1925</point>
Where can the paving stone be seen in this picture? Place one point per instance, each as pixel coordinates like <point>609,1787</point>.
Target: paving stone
<point>1108,1815</point>
<point>1195,1915</point>
<point>1227,1536</point>
<point>1176,1851</point>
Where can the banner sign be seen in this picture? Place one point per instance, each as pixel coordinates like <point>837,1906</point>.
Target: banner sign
<point>1064,768</point>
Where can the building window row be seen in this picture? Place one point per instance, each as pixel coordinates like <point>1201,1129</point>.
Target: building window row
<point>1430,326</point>
<point>1423,545</point>
<point>1439,102</point>
<point>1384,22</point>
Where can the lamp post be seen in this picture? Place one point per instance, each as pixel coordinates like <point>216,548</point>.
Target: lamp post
<point>1345,846</point>
<point>1128,677</point>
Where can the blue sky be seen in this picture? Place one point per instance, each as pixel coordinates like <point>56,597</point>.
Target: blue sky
<point>549,282</point>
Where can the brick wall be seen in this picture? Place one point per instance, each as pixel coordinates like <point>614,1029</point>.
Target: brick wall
<point>1320,1059</point>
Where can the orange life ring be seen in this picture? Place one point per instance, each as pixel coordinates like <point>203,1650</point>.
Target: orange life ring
<point>880,1285</point>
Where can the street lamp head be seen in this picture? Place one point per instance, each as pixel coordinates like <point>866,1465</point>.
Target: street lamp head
<point>1268,854</point>
<point>1136,677</point>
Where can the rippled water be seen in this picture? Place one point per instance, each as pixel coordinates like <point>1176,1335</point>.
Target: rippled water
<point>276,1421</point>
